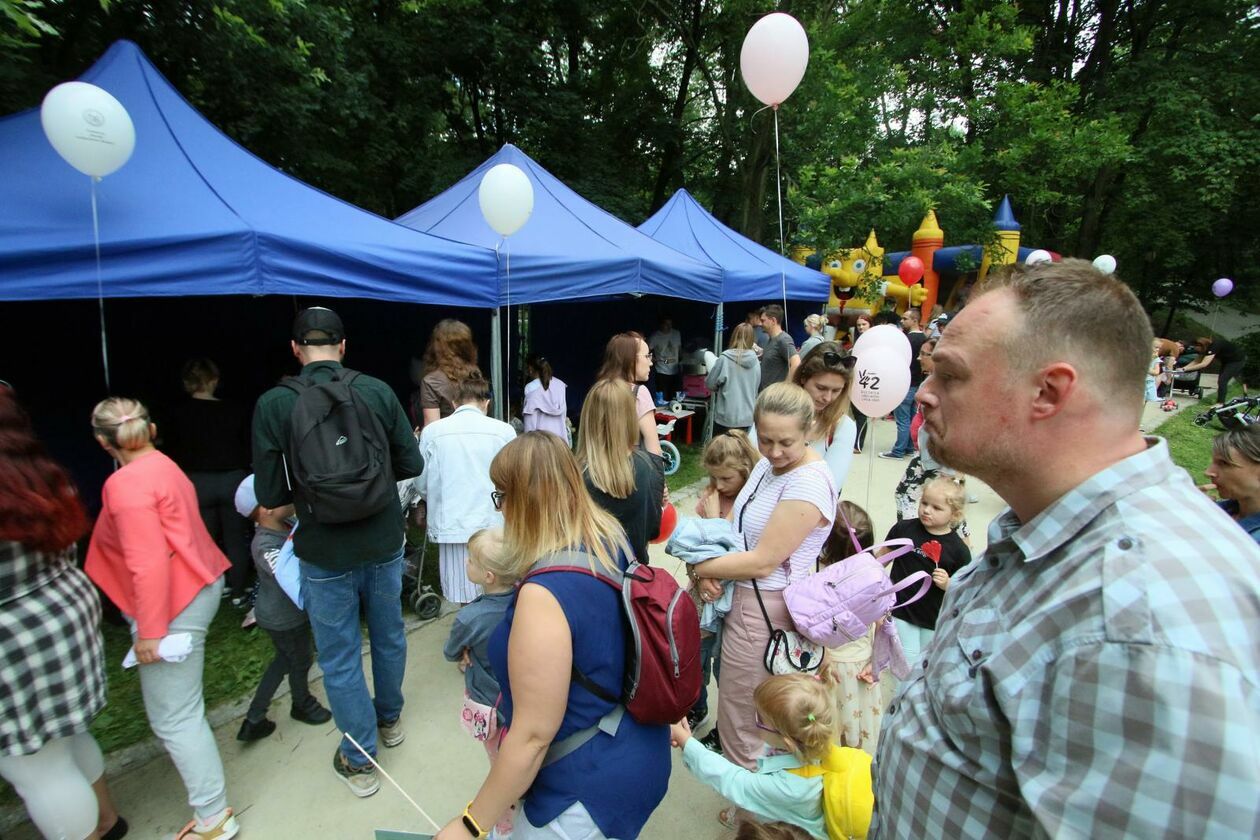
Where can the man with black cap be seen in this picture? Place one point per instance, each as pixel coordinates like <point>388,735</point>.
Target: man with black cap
<point>343,563</point>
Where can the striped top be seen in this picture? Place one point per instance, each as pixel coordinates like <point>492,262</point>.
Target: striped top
<point>762,493</point>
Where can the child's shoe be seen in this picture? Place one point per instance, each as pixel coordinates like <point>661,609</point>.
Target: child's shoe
<point>255,731</point>
<point>225,827</point>
<point>311,712</point>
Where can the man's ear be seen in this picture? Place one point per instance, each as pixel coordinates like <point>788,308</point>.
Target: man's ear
<point>293,345</point>
<point>1056,384</point>
<point>341,348</point>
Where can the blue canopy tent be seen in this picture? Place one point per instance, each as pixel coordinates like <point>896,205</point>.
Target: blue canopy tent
<point>749,271</point>
<point>569,249</point>
<point>193,213</point>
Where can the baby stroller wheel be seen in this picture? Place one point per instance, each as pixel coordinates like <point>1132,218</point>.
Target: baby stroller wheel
<point>426,604</point>
<point>1198,395</point>
<point>1202,419</point>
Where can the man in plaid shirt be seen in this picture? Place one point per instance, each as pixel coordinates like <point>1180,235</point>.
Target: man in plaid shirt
<point>1096,672</point>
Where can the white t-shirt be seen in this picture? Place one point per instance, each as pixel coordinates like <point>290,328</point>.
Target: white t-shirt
<point>756,502</point>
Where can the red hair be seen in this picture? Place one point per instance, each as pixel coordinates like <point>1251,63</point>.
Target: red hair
<point>39,505</point>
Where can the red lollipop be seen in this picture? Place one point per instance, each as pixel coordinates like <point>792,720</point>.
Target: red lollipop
<point>669,518</point>
<point>911,270</point>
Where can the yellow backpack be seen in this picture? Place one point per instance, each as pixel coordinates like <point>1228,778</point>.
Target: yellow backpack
<point>848,800</point>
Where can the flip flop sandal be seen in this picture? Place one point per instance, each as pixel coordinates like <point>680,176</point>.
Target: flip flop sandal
<point>729,817</point>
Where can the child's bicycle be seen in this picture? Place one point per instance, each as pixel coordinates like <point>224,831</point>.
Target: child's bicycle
<point>673,458</point>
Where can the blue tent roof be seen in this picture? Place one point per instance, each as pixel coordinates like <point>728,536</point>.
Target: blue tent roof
<point>750,271</point>
<point>193,213</point>
<point>569,248</point>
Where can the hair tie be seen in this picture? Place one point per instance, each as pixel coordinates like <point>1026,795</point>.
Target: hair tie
<point>124,419</point>
<point>810,717</point>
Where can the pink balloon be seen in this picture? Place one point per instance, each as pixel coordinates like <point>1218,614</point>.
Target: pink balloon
<point>773,58</point>
<point>880,381</point>
<point>886,336</point>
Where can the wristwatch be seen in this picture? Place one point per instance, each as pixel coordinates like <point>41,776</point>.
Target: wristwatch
<point>471,825</point>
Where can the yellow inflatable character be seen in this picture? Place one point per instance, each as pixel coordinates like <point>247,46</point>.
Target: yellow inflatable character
<point>859,266</point>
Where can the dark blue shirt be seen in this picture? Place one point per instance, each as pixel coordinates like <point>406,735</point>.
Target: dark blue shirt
<point>620,780</point>
<point>1250,524</point>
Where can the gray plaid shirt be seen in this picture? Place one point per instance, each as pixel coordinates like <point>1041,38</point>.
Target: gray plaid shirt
<point>1095,673</point>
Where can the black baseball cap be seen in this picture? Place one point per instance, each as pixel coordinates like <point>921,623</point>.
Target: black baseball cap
<point>318,319</point>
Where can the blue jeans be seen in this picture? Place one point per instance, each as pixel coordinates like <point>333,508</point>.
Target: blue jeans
<point>332,600</point>
<point>903,414</point>
<point>710,664</point>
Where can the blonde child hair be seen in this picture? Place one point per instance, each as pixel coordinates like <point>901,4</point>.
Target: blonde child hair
<point>730,451</point>
<point>801,709</point>
<point>487,549</point>
<point>750,829</point>
<point>953,489</point>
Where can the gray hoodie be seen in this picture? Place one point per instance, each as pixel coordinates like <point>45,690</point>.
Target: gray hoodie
<point>734,379</point>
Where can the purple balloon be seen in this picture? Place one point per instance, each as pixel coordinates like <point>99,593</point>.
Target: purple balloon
<point>1222,287</point>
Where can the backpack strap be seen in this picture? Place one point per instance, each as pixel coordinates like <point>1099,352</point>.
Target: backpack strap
<point>922,578</point>
<point>609,723</point>
<point>582,563</point>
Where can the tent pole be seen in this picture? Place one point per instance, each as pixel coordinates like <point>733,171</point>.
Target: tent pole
<point>717,351</point>
<point>496,363</point>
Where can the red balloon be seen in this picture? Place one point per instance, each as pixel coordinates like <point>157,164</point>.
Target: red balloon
<point>669,518</point>
<point>910,271</point>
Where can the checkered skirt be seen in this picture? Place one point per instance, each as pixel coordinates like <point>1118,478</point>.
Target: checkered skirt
<point>52,656</point>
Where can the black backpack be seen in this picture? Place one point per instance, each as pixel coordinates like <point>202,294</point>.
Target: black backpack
<point>338,452</point>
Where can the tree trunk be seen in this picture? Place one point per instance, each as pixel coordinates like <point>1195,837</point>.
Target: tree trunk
<point>670,172</point>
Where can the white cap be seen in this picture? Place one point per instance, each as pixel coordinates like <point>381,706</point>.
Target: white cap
<point>246,499</point>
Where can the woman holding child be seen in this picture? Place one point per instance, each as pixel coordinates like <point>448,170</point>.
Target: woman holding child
<point>152,555</point>
<point>561,622</point>
<point>785,510</point>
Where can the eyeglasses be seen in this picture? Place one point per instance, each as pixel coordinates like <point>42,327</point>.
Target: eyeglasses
<point>762,724</point>
<point>496,497</point>
<point>646,355</point>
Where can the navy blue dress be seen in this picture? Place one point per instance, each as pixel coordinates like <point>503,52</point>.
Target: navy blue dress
<point>620,780</point>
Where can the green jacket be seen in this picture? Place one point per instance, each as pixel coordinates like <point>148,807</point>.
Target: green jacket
<point>347,545</point>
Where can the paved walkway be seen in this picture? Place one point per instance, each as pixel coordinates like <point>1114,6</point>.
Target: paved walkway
<point>284,786</point>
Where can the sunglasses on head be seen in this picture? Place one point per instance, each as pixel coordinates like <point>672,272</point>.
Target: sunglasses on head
<point>832,359</point>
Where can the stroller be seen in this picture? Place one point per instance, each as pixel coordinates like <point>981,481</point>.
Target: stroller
<point>419,595</point>
<point>1186,382</point>
<point>1238,412</point>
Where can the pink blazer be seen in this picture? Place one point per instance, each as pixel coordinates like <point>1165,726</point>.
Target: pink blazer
<point>150,551</point>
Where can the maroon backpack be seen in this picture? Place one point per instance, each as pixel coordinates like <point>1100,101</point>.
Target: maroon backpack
<point>662,679</point>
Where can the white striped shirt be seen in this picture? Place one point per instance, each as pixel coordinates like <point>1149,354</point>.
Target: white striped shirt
<point>763,491</point>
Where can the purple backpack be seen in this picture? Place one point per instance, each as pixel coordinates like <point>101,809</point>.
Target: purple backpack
<point>839,604</point>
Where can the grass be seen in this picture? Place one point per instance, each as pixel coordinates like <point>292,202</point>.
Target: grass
<point>692,468</point>
<point>1190,446</point>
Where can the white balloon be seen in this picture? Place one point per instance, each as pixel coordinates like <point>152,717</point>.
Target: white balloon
<point>1038,256</point>
<point>88,127</point>
<point>506,197</point>
<point>887,338</point>
<point>1105,263</point>
<point>774,57</point>
<point>881,381</point>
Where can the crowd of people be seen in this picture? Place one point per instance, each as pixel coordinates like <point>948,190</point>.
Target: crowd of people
<point>1093,672</point>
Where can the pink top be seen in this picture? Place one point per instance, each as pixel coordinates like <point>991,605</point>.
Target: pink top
<point>643,402</point>
<point>764,490</point>
<point>150,551</point>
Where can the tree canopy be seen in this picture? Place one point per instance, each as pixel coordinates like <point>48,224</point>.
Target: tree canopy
<point>1117,126</point>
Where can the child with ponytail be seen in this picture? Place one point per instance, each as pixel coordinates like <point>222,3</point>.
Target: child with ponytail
<point>803,778</point>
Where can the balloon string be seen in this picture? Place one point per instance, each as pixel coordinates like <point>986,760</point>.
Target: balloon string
<point>390,779</point>
<point>778,186</point>
<point>870,461</point>
<point>507,375</point>
<point>100,286</point>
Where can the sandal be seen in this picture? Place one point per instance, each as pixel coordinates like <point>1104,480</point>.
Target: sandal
<point>729,817</point>
<point>226,828</point>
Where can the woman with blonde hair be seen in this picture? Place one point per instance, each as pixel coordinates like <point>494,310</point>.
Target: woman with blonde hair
<point>623,479</point>
<point>734,378</point>
<point>152,556</point>
<point>628,360</point>
<point>816,329</point>
<point>785,513</point>
<point>450,358</point>
<point>564,630</point>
